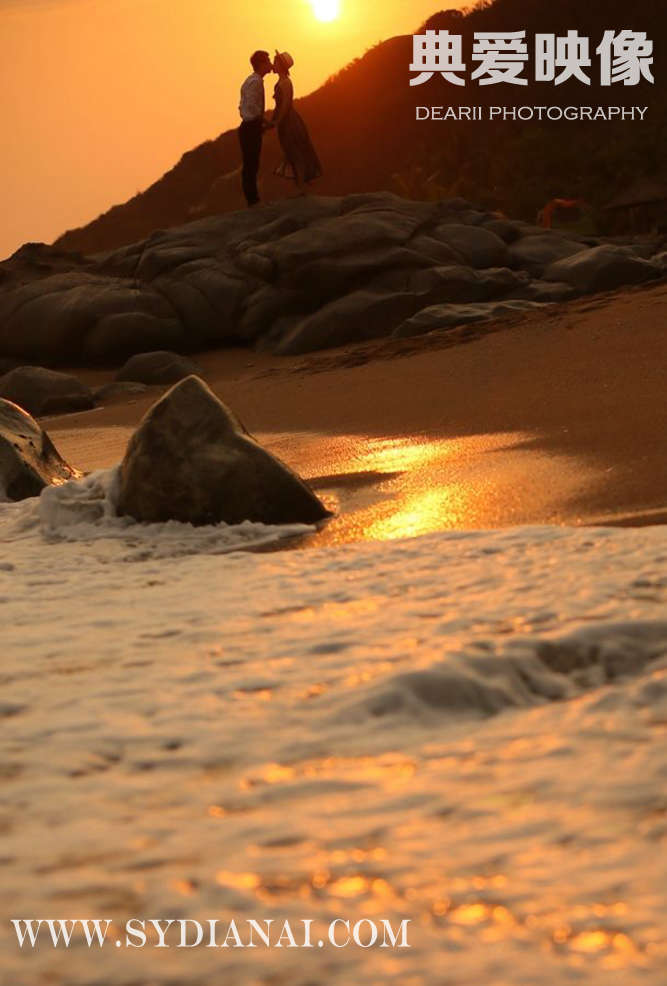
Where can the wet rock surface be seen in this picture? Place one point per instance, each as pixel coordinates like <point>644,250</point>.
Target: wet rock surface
<point>191,460</point>
<point>29,460</point>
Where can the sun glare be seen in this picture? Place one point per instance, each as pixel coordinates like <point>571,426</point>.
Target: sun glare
<point>326,10</point>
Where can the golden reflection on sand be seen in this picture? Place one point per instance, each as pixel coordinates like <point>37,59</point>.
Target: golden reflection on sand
<point>336,611</point>
<point>420,514</point>
<point>390,768</point>
<point>238,881</point>
<point>394,486</point>
<point>489,919</point>
<point>397,454</point>
<point>406,486</point>
<point>462,906</point>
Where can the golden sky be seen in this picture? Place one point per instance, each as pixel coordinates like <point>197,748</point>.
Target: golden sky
<point>98,98</point>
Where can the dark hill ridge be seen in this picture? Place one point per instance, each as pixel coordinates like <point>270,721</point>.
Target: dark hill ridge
<point>363,124</point>
<point>297,276</point>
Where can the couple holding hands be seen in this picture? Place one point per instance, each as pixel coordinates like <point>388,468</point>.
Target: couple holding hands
<point>300,162</point>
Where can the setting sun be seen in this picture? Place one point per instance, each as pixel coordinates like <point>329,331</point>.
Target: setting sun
<point>326,10</point>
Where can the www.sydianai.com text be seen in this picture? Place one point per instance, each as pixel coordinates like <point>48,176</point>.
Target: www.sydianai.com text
<point>34,933</point>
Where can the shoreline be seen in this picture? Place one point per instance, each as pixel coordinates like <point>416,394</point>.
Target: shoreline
<point>549,417</point>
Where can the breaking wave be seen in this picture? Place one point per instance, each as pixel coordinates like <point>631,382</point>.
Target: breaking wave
<point>84,510</point>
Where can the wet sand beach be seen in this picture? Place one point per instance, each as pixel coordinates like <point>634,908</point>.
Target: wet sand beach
<point>554,417</point>
<point>464,730</point>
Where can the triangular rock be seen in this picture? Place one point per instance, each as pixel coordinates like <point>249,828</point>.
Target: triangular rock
<point>191,460</point>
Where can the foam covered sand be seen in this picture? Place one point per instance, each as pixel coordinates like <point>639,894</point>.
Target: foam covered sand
<point>463,729</point>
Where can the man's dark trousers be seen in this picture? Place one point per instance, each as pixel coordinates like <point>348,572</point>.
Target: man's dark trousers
<point>250,135</point>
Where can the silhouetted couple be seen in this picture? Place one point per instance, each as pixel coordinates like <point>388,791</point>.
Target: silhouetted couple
<point>300,162</point>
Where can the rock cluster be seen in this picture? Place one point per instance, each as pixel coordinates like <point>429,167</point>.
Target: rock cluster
<point>190,460</point>
<point>296,276</point>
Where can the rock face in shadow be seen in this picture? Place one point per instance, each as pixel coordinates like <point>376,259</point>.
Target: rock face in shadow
<point>602,269</point>
<point>41,391</point>
<point>452,316</point>
<point>29,460</point>
<point>292,276</point>
<point>479,248</point>
<point>156,368</point>
<point>191,460</point>
<point>535,253</point>
<point>358,316</point>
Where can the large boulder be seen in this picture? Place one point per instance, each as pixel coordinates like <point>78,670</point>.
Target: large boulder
<point>191,460</point>
<point>40,391</point>
<point>221,288</point>
<point>508,231</point>
<point>50,318</point>
<point>660,260</point>
<point>535,253</point>
<point>356,317</point>
<point>29,460</point>
<point>165,251</point>
<point>602,268</point>
<point>156,368</point>
<point>265,307</point>
<point>644,248</point>
<point>293,270</point>
<point>451,282</point>
<point>356,231</point>
<point>41,260</point>
<point>501,282</point>
<point>330,277</point>
<point>547,292</point>
<point>202,321</point>
<point>477,246</point>
<point>439,317</point>
<point>115,337</point>
<point>368,203</point>
<point>434,251</point>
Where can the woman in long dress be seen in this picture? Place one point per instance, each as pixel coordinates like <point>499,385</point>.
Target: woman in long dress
<point>301,163</point>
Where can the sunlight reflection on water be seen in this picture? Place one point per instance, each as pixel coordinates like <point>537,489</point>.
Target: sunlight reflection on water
<point>389,487</point>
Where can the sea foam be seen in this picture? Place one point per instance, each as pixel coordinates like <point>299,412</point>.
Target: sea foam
<point>464,730</point>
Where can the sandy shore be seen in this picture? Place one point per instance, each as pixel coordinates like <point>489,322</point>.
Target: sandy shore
<point>464,731</point>
<point>557,416</point>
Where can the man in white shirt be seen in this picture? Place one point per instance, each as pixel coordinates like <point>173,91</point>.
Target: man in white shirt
<point>252,128</point>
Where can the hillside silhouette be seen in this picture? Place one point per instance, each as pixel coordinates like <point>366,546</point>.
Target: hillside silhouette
<point>363,124</point>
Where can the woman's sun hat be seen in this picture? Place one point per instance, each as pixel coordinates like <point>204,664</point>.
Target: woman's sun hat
<point>285,58</point>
